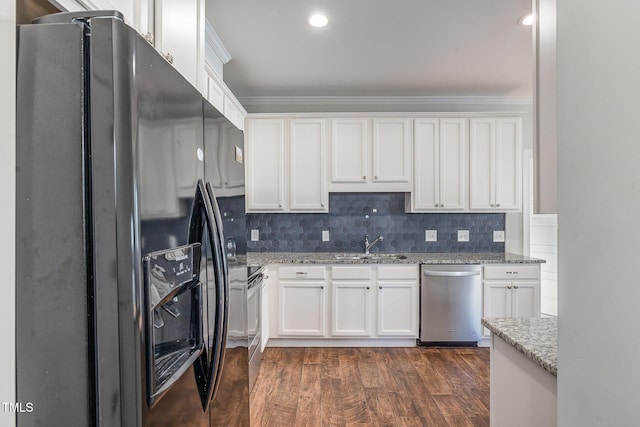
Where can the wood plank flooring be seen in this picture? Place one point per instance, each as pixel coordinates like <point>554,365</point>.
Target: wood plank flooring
<point>372,387</point>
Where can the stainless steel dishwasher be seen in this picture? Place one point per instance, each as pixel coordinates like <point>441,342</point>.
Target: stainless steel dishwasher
<point>450,305</point>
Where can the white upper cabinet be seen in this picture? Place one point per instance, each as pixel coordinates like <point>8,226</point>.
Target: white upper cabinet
<point>371,154</point>
<point>307,168</point>
<point>495,164</point>
<point>391,150</point>
<point>286,165</point>
<point>179,37</point>
<point>349,149</point>
<point>265,145</point>
<point>440,164</point>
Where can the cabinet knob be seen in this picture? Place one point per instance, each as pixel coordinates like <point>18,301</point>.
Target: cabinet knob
<point>364,177</point>
<point>168,57</point>
<point>322,204</point>
<point>498,205</point>
<point>376,177</point>
<point>149,38</point>
<point>515,286</point>
<point>509,286</point>
<point>321,287</point>
<point>379,287</point>
<point>280,205</point>
<point>368,287</point>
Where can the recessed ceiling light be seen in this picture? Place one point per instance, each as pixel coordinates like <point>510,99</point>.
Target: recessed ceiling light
<point>318,20</point>
<point>527,20</point>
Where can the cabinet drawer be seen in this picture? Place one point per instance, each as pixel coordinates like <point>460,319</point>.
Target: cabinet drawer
<point>302,272</point>
<point>350,272</point>
<point>511,271</point>
<point>399,272</point>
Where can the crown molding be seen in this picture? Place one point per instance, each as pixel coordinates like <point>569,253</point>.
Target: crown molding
<point>216,44</point>
<point>385,100</point>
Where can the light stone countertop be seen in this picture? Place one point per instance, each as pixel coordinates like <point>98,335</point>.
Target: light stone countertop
<point>264,258</point>
<point>536,338</point>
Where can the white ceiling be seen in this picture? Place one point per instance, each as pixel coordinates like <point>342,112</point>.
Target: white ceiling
<point>375,47</point>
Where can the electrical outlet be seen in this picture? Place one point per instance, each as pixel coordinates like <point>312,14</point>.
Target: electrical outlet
<point>430,235</point>
<point>255,235</point>
<point>463,235</point>
<point>498,236</point>
<point>325,235</point>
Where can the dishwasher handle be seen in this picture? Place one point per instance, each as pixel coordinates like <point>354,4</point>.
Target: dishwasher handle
<point>451,273</point>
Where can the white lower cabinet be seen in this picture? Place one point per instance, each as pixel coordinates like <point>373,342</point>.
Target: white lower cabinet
<point>360,301</point>
<point>398,309</point>
<point>351,309</point>
<point>511,291</point>
<point>302,308</point>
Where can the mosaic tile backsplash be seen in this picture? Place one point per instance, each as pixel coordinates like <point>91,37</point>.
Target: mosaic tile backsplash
<point>351,216</point>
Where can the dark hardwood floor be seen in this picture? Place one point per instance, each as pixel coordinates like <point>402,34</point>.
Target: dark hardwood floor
<point>372,386</point>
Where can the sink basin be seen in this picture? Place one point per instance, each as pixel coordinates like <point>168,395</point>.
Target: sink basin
<point>349,256</point>
<point>376,257</point>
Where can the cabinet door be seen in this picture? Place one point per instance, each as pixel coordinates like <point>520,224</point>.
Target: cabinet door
<point>307,143</point>
<point>391,150</point>
<point>265,165</point>
<point>398,309</point>
<point>497,301</point>
<point>481,168</point>
<point>212,165</point>
<point>215,95</point>
<point>524,297</point>
<point>350,309</point>
<point>179,36</point>
<point>302,306</point>
<point>453,164</point>
<point>508,161</point>
<point>349,146</point>
<point>426,192</point>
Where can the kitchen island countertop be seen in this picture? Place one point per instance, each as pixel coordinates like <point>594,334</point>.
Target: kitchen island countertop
<point>536,338</point>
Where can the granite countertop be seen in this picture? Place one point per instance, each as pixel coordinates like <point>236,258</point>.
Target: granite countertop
<point>536,338</point>
<point>263,258</point>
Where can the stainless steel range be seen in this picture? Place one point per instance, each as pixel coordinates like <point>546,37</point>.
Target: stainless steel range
<point>254,313</point>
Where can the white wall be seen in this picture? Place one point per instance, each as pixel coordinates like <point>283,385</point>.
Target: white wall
<point>7,213</point>
<point>598,84</point>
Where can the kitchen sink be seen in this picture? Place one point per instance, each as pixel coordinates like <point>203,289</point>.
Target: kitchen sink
<point>370,256</point>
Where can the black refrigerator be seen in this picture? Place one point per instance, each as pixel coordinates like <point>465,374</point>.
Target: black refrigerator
<point>128,231</point>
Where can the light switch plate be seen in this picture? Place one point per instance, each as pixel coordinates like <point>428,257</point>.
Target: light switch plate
<point>325,235</point>
<point>463,235</point>
<point>498,236</point>
<point>255,235</point>
<point>430,235</point>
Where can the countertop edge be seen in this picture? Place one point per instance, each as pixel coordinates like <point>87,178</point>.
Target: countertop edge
<point>408,258</point>
<point>528,352</point>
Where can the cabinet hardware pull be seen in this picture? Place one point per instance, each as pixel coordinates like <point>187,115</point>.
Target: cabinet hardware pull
<point>368,287</point>
<point>509,286</point>
<point>379,287</point>
<point>515,286</point>
<point>498,205</point>
<point>376,177</point>
<point>321,287</point>
<point>280,205</point>
<point>149,38</point>
<point>364,177</point>
<point>301,272</point>
<point>266,277</point>
<point>322,205</point>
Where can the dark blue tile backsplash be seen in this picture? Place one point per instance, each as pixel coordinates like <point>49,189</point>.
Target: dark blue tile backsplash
<point>351,216</point>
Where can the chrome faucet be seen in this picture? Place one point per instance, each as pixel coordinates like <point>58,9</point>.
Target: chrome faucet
<point>368,245</point>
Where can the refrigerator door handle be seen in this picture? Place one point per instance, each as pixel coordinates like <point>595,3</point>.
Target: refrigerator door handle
<point>204,372</point>
<point>223,297</point>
